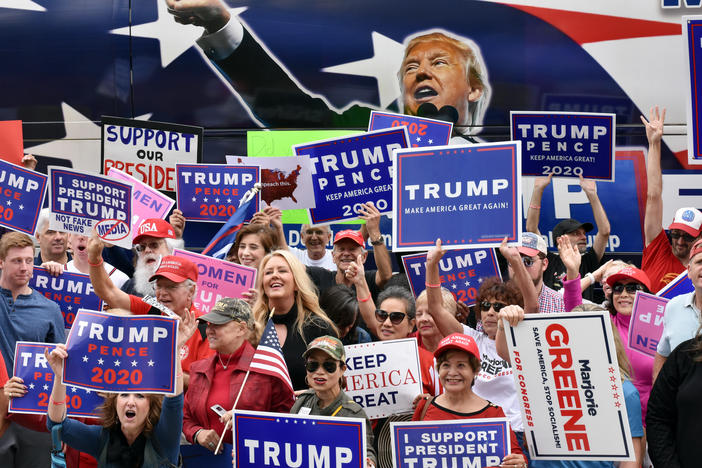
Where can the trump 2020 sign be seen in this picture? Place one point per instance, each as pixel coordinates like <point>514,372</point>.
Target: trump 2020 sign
<point>469,196</point>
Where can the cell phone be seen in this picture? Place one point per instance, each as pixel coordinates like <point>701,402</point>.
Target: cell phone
<point>218,409</point>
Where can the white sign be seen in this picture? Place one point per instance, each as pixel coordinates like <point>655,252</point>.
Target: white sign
<point>569,387</point>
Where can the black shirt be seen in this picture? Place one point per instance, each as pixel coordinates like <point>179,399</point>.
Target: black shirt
<point>556,271</point>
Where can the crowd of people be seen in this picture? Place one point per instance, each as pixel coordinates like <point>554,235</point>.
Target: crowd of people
<point>320,299</point>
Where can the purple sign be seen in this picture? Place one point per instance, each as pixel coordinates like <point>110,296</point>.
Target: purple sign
<point>566,144</point>
<point>71,291</point>
<point>21,197</point>
<point>31,366</point>
<point>692,35</point>
<point>460,271</point>
<point>422,131</point>
<point>349,171</point>
<point>211,192</point>
<point>646,326</point>
<point>680,285</point>
<point>469,196</point>
<point>116,353</point>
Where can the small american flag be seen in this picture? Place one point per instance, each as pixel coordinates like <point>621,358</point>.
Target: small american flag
<point>268,358</point>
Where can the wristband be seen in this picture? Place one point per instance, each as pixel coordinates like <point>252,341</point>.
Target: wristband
<point>430,285</point>
<point>364,300</point>
<point>536,207</point>
<point>378,241</point>
<point>195,437</point>
<point>59,403</point>
<point>96,264</point>
<point>591,277</point>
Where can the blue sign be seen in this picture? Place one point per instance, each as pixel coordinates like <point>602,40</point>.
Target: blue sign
<point>32,367</point>
<point>422,131</point>
<point>196,456</point>
<point>565,144</point>
<point>272,439</point>
<point>479,443</point>
<point>81,201</point>
<point>116,353</point>
<point>349,171</point>
<point>21,197</point>
<point>624,202</point>
<point>461,271</point>
<point>680,285</point>
<point>71,291</point>
<point>211,192</point>
<point>469,196</point>
<point>692,32</point>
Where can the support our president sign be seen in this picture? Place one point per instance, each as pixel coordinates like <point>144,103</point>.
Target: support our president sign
<point>646,326</point>
<point>81,201</point>
<point>149,151</point>
<point>469,196</point>
<point>383,376</point>
<point>71,291</point>
<point>566,144</point>
<point>21,197</point>
<point>117,353</point>
<point>217,279</point>
<point>147,202</point>
<point>569,386</point>
<point>31,366</point>
<point>274,439</point>
<point>352,170</point>
<point>460,271</point>
<point>465,443</point>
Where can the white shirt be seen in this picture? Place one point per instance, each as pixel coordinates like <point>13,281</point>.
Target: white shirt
<point>326,262</point>
<point>117,276</point>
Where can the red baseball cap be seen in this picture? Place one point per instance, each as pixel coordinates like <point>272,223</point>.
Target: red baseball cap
<point>458,341</point>
<point>350,234</point>
<point>154,227</point>
<point>630,272</point>
<point>176,269</point>
<point>696,248</point>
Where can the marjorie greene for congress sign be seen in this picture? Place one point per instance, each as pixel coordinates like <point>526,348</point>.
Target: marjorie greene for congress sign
<point>569,386</point>
<point>469,196</point>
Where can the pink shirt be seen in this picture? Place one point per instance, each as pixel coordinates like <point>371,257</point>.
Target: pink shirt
<point>641,365</point>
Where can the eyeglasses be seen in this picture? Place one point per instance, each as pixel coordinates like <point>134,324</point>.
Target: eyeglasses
<point>328,366</point>
<point>678,234</point>
<point>631,288</point>
<point>395,317</point>
<point>153,245</point>
<point>485,306</point>
<point>528,261</point>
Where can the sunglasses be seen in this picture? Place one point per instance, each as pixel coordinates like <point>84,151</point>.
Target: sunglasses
<point>678,234</point>
<point>485,306</point>
<point>395,317</point>
<point>328,366</point>
<point>631,288</point>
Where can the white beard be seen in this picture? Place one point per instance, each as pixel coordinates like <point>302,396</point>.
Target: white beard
<point>143,272</point>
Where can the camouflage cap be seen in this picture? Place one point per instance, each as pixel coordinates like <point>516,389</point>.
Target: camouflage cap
<point>330,345</point>
<point>228,309</point>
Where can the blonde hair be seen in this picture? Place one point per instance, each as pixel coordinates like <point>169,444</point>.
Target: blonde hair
<point>448,302</point>
<point>475,70</point>
<point>305,297</point>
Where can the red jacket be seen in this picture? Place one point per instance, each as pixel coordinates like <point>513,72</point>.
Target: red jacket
<point>261,392</point>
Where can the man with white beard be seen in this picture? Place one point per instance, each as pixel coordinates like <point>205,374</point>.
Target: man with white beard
<point>155,238</point>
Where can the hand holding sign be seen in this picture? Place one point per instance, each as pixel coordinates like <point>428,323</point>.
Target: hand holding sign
<point>512,313</point>
<point>56,357</point>
<point>15,388</point>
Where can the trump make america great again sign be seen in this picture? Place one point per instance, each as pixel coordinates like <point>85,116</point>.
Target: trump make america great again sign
<point>469,196</point>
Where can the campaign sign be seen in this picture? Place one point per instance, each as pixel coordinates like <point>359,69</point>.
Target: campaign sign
<point>646,326</point>
<point>275,439</point>
<point>692,35</point>
<point>11,146</point>
<point>566,144</point>
<point>469,196</point>
<point>349,171</point>
<point>146,201</point>
<point>460,271</point>
<point>466,442</point>
<point>383,376</point>
<point>285,180</point>
<point>21,197</point>
<point>422,131</point>
<point>118,353</point>
<point>571,395</point>
<point>211,192</point>
<point>680,285</point>
<point>149,150</point>
<point>32,367</point>
<point>81,201</point>
<point>217,279</point>
<point>71,291</point>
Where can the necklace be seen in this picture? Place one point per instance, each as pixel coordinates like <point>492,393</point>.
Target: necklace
<point>223,364</point>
